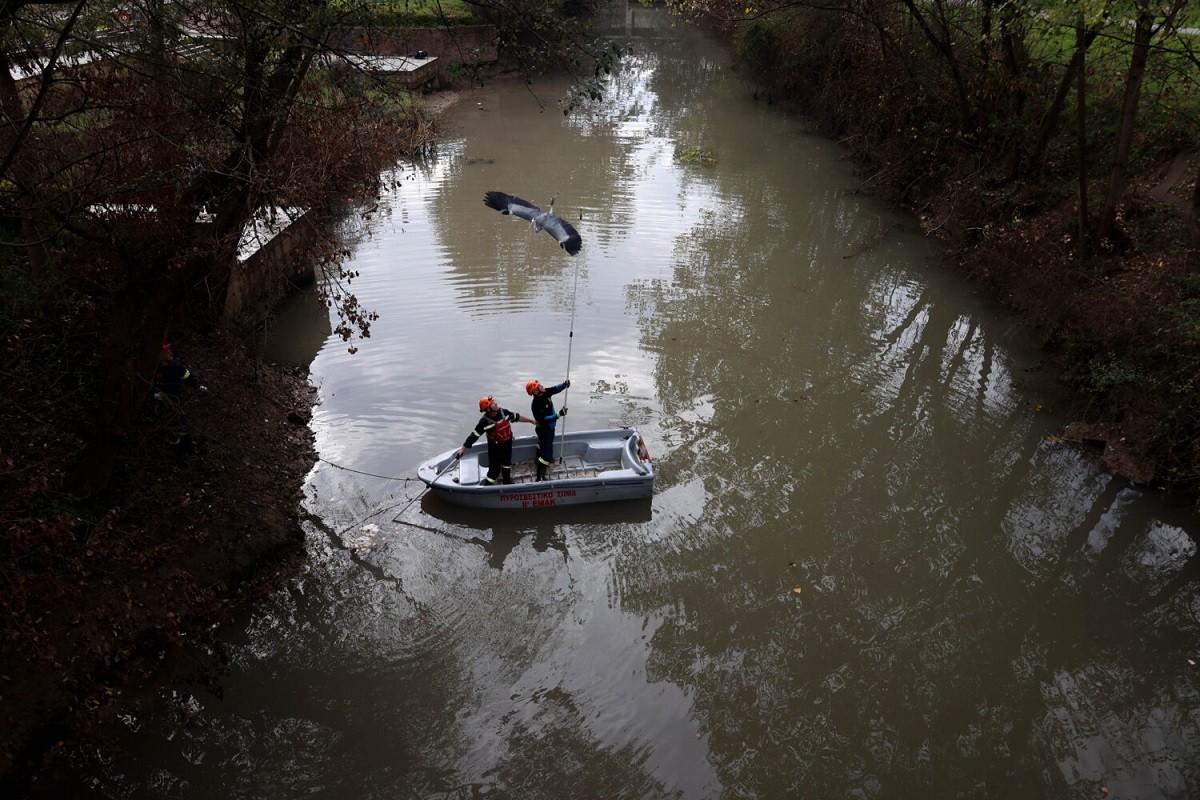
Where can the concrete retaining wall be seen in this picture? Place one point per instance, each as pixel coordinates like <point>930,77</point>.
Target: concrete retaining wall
<point>261,280</point>
<point>469,44</point>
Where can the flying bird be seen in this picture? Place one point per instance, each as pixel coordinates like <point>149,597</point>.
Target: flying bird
<point>559,228</point>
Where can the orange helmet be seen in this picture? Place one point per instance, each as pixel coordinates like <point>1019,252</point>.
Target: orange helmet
<point>533,386</point>
<point>485,403</point>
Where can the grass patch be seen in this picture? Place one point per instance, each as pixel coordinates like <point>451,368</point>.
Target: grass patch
<point>408,13</point>
<point>695,155</point>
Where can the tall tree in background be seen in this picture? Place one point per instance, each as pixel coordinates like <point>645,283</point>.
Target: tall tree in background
<point>181,113</point>
<point>934,21</point>
<point>139,121</point>
<point>1149,19</point>
<point>1192,59</point>
<point>1086,29</point>
<point>18,117</point>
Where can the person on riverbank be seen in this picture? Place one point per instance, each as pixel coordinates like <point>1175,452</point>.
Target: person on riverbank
<point>171,379</point>
<point>546,419</point>
<point>496,424</point>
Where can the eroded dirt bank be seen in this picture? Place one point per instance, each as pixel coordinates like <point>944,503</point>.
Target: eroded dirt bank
<point>196,532</point>
<point>192,533</point>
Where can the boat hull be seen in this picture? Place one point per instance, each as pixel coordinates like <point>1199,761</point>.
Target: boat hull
<point>590,467</point>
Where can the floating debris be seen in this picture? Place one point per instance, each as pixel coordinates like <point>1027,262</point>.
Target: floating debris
<point>366,538</point>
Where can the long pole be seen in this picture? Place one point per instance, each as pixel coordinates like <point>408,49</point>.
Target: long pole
<point>570,343</point>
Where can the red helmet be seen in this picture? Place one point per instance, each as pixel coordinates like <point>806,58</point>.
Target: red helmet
<point>166,347</point>
<point>533,387</point>
<point>485,403</point>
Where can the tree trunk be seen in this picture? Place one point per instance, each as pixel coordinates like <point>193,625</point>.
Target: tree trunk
<point>140,319</point>
<point>1144,32</point>
<point>19,125</point>
<point>944,46</point>
<point>1195,220</point>
<point>1083,232</point>
<point>1119,180</point>
<point>1083,41</point>
<point>1016,61</point>
<point>985,35</point>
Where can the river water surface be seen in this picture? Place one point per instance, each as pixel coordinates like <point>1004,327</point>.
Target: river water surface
<point>869,569</point>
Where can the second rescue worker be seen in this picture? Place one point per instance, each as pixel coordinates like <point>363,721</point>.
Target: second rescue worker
<point>546,418</point>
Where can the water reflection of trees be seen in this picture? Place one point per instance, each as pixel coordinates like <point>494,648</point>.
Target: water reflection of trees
<point>979,610</point>
<point>592,160</point>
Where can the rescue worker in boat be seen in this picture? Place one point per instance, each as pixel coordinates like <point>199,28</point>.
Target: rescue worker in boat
<point>496,423</point>
<point>546,418</point>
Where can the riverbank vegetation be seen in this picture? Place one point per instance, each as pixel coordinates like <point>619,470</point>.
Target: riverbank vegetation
<point>134,170</point>
<point>145,148</point>
<point>1053,146</point>
<point>140,149</point>
<point>409,13</point>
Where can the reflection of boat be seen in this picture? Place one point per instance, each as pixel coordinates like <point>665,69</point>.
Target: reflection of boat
<point>589,467</point>
<point>481,522</point>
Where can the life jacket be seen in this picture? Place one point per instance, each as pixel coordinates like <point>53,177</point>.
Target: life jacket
<point>501,431</point>
<point>498,431</point>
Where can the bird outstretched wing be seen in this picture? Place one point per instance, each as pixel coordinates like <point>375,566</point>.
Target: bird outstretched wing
<point>564,232</point>
<point>507,204</point>
<point>566,235</point>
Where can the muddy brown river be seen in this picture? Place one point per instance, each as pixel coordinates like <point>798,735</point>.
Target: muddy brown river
<point>870,568</point>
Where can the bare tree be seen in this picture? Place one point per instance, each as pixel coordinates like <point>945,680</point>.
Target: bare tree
<point>176,118</point>
<point>1070,75</point>
<point>187,112</point>
<point>18,120</point>
<point>1149,21</point>
<point>940,35</point>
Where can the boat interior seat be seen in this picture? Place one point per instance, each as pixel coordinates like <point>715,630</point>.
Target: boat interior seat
<point>468,472</point>
<point>605,452</point>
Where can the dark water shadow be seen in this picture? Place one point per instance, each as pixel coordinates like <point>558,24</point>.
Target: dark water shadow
<point>499,532</point>
<point>522,521</point>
